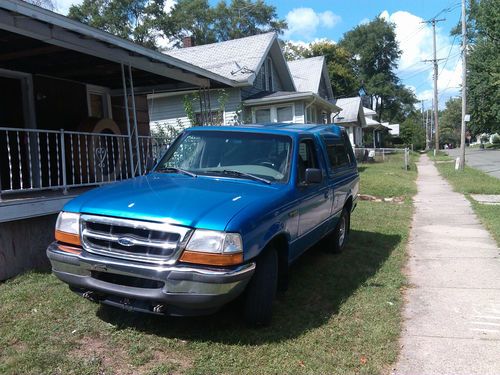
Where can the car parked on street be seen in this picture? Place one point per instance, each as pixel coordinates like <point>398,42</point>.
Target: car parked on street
<point>223,213</point>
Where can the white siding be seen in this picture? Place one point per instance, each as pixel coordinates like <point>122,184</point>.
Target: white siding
<point>169,110</point>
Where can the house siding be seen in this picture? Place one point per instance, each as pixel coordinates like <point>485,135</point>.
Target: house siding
<point>258,84</point>
<point>170,110</point>
<point>322,91</point>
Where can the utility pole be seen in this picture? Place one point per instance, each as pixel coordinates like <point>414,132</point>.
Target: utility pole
<point>435,62</point>
<point>464,91</point>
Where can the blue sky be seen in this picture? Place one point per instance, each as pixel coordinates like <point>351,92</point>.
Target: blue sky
<point>320,19</point>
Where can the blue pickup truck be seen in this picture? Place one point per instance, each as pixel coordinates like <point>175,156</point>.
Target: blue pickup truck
<point>223,214</point>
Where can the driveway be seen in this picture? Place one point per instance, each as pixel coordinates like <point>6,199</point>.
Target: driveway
<point>485,160</point>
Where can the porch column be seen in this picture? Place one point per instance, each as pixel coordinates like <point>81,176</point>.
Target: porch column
<point>127,117</point>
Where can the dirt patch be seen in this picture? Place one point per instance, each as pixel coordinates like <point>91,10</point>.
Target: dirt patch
<point>114,359</point>
<point>373,198</point>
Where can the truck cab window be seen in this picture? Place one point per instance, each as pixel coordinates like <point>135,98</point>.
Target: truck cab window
<point>307,158</point>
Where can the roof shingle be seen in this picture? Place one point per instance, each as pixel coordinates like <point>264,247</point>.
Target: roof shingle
<point>235,59</point>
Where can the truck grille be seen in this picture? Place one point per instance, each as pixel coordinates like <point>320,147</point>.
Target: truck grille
<point>133,239</point>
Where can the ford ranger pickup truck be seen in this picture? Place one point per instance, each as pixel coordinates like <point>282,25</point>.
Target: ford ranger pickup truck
<point>223,213</point>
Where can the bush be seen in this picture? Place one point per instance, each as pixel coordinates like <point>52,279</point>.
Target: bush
<point>495,139</point>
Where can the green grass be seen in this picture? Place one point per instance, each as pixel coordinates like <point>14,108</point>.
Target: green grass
<point>389,178</point>
<point>440,156</point>
<point>340,315</point>
<point>473,181</point>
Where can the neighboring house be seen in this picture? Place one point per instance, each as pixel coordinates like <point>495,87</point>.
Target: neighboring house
<point>393,129</point>
<point>260,86</point>
<point>68,119</point>
<point>373,127</point>
<point>352,117</point>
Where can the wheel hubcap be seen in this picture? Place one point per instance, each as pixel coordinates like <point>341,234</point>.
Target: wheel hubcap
<point>342,231</point>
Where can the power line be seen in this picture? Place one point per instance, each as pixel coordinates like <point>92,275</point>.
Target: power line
<point>435,62</point>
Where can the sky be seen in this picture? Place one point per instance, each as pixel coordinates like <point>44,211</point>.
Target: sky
<point>329,19</point>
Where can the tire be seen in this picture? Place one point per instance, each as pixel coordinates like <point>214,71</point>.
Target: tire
<point>261,290</point>
<point>340,235</point>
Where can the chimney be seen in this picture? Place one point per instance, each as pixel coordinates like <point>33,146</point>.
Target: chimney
<point>187,41</point>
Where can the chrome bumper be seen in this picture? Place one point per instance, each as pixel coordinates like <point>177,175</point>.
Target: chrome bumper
<point>172,290</point>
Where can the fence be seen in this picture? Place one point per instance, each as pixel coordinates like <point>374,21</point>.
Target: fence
<point>34,159</point>
<point>382,154</point>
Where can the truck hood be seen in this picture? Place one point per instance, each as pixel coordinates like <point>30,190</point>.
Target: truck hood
<point>202,202</point>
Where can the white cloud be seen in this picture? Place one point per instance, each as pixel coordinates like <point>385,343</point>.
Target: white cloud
<point>416,43</point>
<point>304,22</point>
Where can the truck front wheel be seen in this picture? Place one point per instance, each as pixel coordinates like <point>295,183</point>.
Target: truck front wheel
<point>261,290</point>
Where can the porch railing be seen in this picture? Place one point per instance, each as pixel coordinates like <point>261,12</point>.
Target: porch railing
<point>34,159</point>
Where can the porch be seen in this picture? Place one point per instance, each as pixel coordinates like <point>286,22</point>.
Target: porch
<point>73,108</point>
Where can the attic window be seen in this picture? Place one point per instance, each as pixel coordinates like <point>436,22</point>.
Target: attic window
<point>267,76</point>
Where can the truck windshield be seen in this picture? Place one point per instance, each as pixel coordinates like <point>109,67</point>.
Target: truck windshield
<point>264,157</point>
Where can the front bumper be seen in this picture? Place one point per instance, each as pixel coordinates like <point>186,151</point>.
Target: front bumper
<point>170,290</point>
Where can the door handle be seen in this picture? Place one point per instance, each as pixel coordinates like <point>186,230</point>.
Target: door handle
<point>293,213</point>
<point>327,195</point>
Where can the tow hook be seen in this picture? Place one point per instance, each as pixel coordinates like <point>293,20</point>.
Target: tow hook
<point>90,295</point>
<point>159,309</point>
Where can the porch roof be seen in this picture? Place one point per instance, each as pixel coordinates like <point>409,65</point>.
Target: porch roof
<point>287,96</point>
<point>38,41</point>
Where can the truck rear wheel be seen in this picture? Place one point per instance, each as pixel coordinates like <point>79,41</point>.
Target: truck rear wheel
<point>338,238</point>
<point>261,290</point>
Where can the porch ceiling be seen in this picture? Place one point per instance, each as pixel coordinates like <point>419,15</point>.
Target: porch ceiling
<point>34,40</point>
<point>21,53</point>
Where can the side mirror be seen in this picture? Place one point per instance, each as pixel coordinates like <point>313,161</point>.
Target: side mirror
<point>150,163</point>
<point>313,176</point>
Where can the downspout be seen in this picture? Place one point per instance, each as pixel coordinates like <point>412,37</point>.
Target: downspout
<point>307,106</point>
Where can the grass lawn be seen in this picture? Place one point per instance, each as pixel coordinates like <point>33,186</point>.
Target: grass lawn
<point>473,181</point>
<point>340,315</point>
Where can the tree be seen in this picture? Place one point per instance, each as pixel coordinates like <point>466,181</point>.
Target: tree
<point>128,19</point>
<point>412,133</point>
<point>376,52</point>
<point>244,17</point>
<point>144,21</point>
<point>339,62</point>
<point>47,4</point>
<point>450,121</point>
<point>483,78</point>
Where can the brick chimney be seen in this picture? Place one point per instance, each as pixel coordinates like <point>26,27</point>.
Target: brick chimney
<point>187,41</point>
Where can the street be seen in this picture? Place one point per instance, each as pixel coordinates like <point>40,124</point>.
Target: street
<point>485,160</point>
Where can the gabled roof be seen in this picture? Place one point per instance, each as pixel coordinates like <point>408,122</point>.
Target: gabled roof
<point>307,73</point>
<point>350,109</point>
<point>287,96</point>
<point>369,112</point>
<point>239,60</point>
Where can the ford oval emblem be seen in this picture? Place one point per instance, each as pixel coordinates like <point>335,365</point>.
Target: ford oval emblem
<point>125,241</point>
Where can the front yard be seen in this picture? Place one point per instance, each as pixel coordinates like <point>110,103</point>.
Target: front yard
<point>340,315</point>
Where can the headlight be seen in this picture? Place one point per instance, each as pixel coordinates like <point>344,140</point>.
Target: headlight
<point>68,228</point>
<point>213,248</point>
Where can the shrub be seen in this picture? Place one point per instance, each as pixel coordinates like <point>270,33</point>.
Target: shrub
<point>495,139</point>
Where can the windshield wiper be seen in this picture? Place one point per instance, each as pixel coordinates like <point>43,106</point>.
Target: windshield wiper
<point>249,176</point>
<point>176,170</point>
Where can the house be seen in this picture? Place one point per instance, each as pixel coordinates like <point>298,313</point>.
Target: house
<point>73,115</point>
<point>261,86</point>
<point>352,117</point>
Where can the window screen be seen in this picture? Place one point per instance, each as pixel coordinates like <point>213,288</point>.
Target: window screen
<point>263,115</point>
<point>285,114</point>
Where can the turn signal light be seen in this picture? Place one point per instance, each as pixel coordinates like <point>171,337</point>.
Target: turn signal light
<point>211,259</point>
<point>69,238</point>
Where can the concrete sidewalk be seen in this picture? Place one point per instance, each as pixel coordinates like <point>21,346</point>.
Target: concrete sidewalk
<point>452,312</point>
